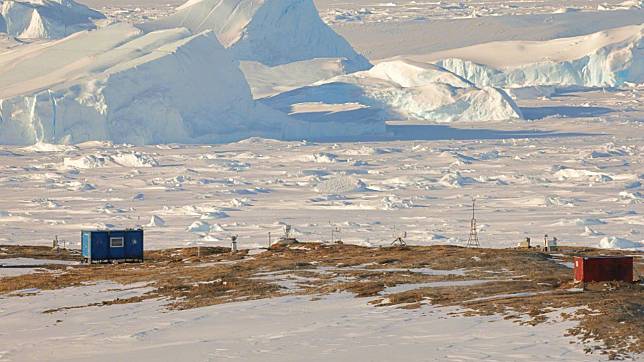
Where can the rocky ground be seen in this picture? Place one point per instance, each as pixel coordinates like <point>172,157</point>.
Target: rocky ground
<point>528,287</point>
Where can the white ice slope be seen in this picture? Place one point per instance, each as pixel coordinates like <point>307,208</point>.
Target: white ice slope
<point>119,84</point>
<point>267,81</point>
<point>272,32</point>
<point>400,90</point>
<point>45,19</point>
<point>604,59</point>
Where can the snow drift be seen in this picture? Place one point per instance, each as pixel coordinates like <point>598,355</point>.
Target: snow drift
<point>604,59</point>
<point>272,32</point>
<point>399,89</point>
<point>45,19</point>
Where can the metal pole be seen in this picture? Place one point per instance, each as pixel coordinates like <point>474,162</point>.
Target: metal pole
<point>473,202</point>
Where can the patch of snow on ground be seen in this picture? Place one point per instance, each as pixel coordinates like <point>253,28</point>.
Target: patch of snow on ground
<point>303,327</point>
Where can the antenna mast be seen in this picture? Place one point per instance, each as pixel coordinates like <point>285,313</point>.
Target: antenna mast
<point>473,239</point>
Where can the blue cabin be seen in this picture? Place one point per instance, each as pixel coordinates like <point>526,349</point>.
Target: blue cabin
<point>102,246</point>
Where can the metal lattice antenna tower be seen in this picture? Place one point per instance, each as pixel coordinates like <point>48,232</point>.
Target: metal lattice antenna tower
<point>473,239</point>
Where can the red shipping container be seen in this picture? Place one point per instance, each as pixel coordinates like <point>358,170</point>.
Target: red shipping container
<point>603,269</point>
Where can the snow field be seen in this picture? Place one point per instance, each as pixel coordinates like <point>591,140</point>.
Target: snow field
<point>268,330</point>
<point>582,192</point>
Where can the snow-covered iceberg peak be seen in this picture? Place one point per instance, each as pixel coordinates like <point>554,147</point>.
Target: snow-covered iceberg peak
<point>45,19</point>
<point>272,32</point>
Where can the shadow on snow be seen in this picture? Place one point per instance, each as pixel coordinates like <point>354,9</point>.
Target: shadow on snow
<point>416,132</point>
<point>534,113</point>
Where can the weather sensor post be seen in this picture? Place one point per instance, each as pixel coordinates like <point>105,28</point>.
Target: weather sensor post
<point>336,237</point>
<point>233,246</point>
<point>399,238</point>
<point>473,239</point>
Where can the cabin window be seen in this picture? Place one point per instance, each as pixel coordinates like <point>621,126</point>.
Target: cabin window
<point>117,242</point>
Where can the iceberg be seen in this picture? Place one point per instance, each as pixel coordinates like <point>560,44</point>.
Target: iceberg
<point>603,59</point>
<point>398,89</point>
<point>177,80</point>
<point>272,32</point>
<point>45,19</point>
<point>129,87</point>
